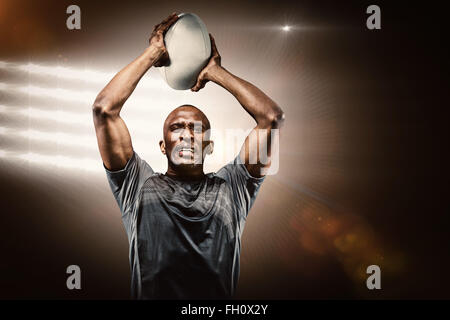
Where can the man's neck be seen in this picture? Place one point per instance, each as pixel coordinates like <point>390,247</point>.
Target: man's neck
<point>188,174</point>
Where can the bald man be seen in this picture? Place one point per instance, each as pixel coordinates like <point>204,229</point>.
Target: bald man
<point>184,227</point>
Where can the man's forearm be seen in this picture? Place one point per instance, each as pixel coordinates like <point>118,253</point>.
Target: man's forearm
<point>111,99</point>
<point>263,109</point>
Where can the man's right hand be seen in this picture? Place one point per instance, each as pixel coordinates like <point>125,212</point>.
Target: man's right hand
<point>208,72</point>
<point>157,40</point>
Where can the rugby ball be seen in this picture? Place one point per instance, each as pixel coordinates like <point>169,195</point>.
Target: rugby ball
<point>189,47</point>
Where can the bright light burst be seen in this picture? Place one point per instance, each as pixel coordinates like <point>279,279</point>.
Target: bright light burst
<point>47,124</point>
<point>85,75</point>
<point>63,161</point>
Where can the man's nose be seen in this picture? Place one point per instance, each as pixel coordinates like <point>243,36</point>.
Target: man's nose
<point>186,134</point>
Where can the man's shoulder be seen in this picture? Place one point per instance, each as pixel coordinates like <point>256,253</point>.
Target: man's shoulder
<point>234,168</point>
<point>154,176</point>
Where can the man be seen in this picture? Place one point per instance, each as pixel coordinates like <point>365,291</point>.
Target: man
<point>184,227</point>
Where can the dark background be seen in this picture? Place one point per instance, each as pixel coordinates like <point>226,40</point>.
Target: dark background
<point>363,176</point>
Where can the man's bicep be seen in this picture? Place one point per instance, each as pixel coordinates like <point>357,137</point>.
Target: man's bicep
<point>114,141</point>
<point>256,152</point>
<point>244,186</point>
<point>126,183</point>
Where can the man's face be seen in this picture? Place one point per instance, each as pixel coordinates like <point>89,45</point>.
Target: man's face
<point>186,135</point>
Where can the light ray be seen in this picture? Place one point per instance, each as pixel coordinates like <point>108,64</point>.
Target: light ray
<point>87,98</point>
<point>88,141</point>
<point>63,161</point>
<point>134,123</point>
<point>85,75</point>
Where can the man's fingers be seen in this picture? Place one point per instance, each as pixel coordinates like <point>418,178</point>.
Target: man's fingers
<point>165,23</point>
<point>199,85</point>
<point>165,20</point>
<point>196,87</point>
<point>213,43</point>
<point>155,28</point>
<point>168,21</point>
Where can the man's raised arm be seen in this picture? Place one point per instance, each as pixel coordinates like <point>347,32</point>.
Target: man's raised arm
<point>113,138</point>
<point>267,114</point>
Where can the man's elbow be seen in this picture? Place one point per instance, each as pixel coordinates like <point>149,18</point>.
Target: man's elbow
<point>102,109</point>
<point>276,118</point>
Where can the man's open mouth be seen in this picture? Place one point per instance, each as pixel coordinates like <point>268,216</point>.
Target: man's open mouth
<point>185,151</point>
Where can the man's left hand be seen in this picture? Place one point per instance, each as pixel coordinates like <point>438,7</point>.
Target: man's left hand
<point>213,65</point>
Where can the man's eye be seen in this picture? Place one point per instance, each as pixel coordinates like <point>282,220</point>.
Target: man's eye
<point>198,129</point>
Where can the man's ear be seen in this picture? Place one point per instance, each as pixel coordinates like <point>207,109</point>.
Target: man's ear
<point>210,147</point>
<point>162,146</point>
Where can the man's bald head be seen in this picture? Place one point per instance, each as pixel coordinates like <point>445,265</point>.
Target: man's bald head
<point>186,112</point>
